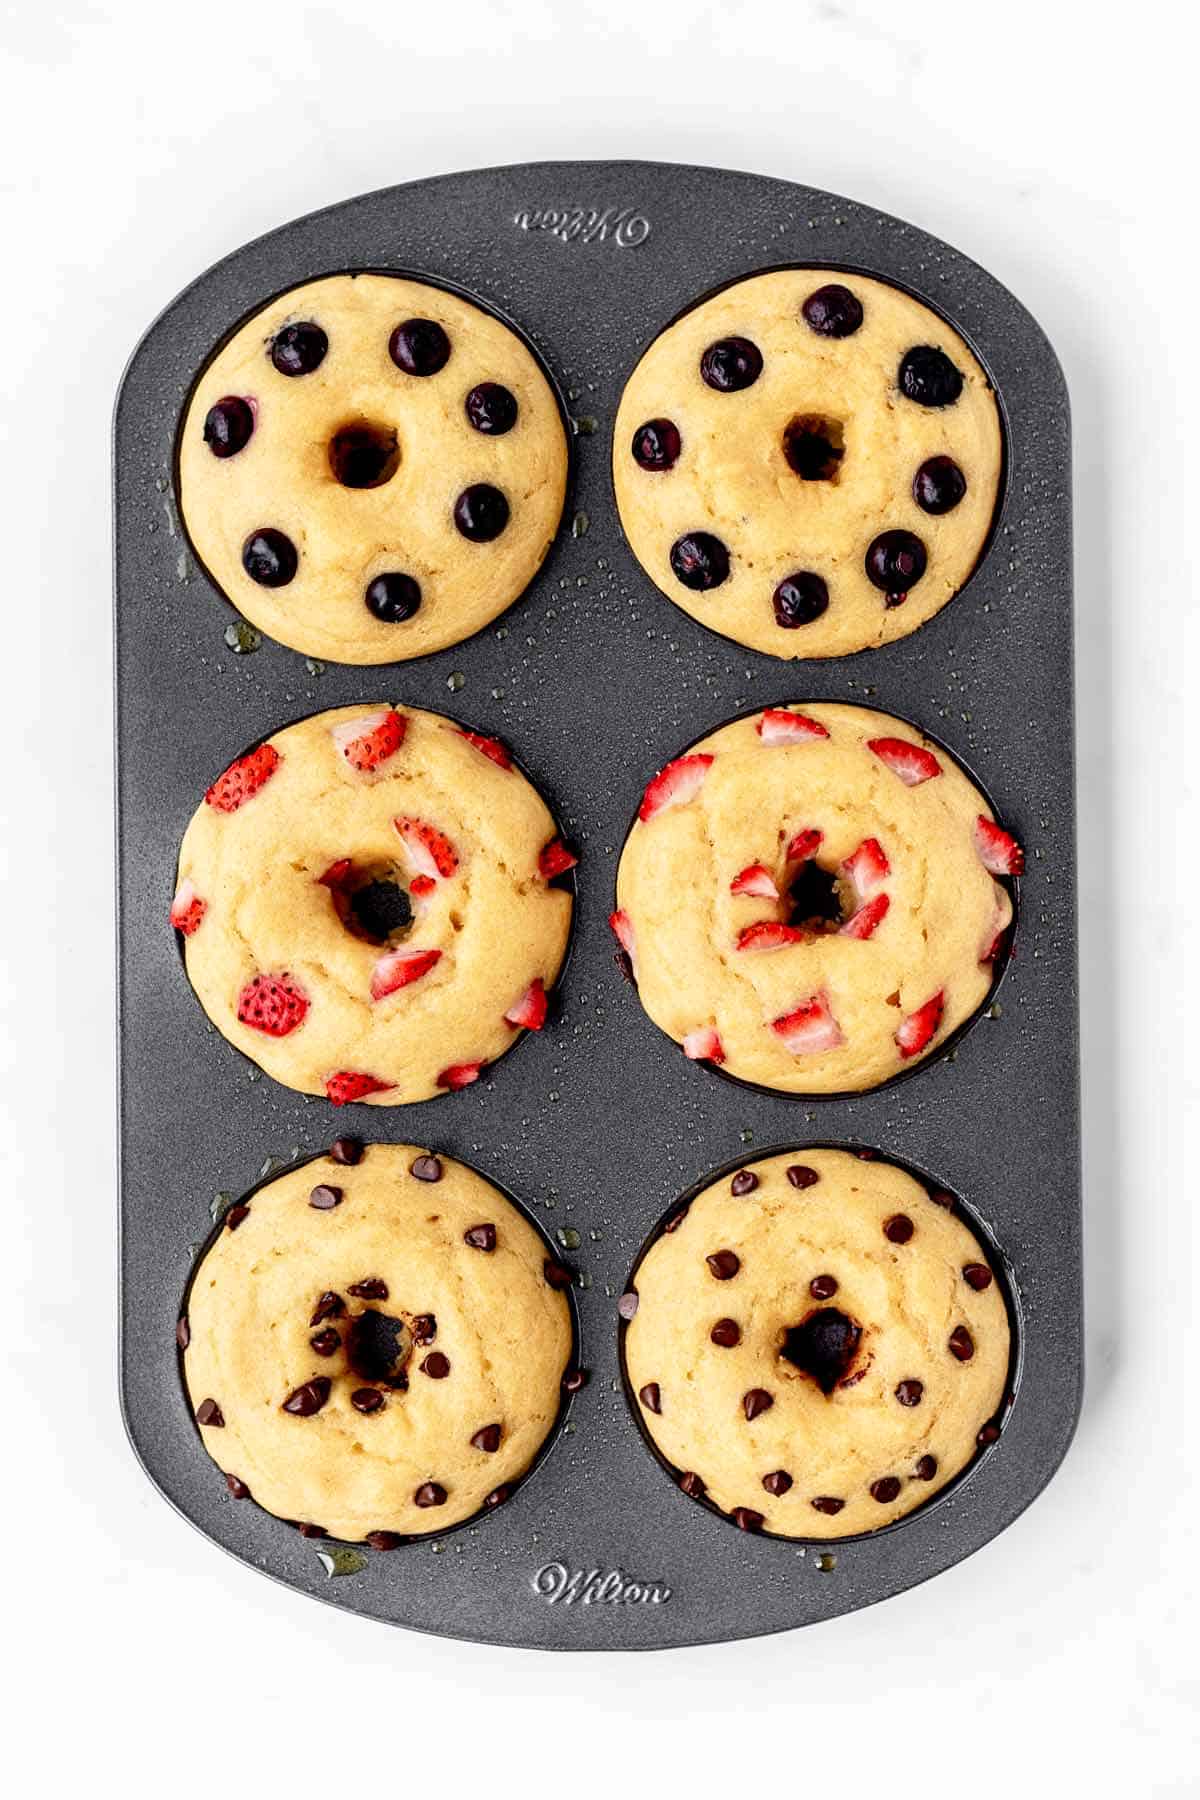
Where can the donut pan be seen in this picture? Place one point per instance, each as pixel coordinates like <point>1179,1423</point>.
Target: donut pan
<point>598,1124</point>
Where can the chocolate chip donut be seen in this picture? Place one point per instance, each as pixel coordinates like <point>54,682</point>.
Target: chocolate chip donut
<point>371,1345</point>
<point>819,1345</point>
<point>372,468</point>
<point>368,906</point>
<point>808,465</point>
<point>809,898</point>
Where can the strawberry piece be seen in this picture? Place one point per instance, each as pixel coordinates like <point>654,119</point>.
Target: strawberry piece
<point>756,879</point>
<point>704,1045</point>
<point>243,778</point>
<point>997,849</point>
<point>920,1026</point>
<point>777,726</point>
<point>909,761</point>
<point>187,908</point>
<point>490,747</point>
<point>622,928</point>
<point>420,885</point>
<point>862,924</point>
<point>272,1004</point>
<point>367,741</point>
<point>336,873</point>
<point>400,968</point>
<point>348,1085</point>
<point>804,846</point>
<point>555,859</point>
<point>866,867</point>
<point>429,850</point>
<point>459,1075</point>
<point>768,934</point>
<point>529,1013</point>
<point>810,1027</point>
<point>674,785</point>
<point>991,949</point>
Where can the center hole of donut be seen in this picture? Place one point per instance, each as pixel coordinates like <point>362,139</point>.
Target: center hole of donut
<point>378,1346</point>
<point>814,446</point>
<point>823,1346</point>
<point>363,455</point>
<point>815,899</point>
<point>371,900</point>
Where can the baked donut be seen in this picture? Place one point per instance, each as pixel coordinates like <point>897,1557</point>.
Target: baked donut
<point>819,1345</point>
<point>809,898</point>
<point>807,464</point>
<point>374,1344</point>
<point>372,468</point>
<point>369,906</point>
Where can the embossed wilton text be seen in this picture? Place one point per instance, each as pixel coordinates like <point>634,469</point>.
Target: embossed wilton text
<point>587,224</point>
<point>554,1582</point>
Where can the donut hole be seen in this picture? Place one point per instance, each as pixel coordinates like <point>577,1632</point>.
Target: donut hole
<point>816,899</point>
<point>378,1347</point>
<point>373,903</point>
<point>364,455</point>
<point>823,1346</point>
<point>814,446</point>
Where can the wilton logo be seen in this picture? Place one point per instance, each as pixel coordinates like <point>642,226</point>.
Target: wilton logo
<point>554,1582</point>
<point>587,224</point>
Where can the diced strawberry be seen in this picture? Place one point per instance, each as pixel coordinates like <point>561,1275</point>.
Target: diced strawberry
<point>909,761</point>
<point>243,778</point>
<point>336,873</point>
<point>997,849</point>
<point>490,747</point>
<point>187,908</point>
<point>768,934</point>
<point>756,879</point>
<point>273,1004</point>
<point>704,1045</point>
<point>530,1010</point>
<point>367,741</point>
<point>399,968</point>
<point>555,859</point>
<point>810,1027</point>
<point>429,850</point>
<point>348,1085</point>
<point>459,1075</point>
<point>866,867</point>
<point>871,913</point>
<point>920,1026</point>
<point>420,885</point>
<point>804,846</point>
<point>622,928</point>
<point>777,726</point>
<point>674,785</point>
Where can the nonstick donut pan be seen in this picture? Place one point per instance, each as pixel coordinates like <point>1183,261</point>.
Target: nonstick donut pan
<point>598,1124</point>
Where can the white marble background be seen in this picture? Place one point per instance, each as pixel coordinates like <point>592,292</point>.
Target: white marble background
<point>139,142</point>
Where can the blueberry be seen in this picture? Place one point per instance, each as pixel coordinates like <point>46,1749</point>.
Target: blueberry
<point>833,311</point>
<point>481,513</point>
<point>299,349</point>
<point>393,598</point>
<point>269,557</point>
<point>731,364</point>
<point>229,425</point>
<point>419,347</point>
<point>939,485</point>
<point>799,599</point>
<point>700,561</point>
<point>895,562</point>
<point>929,377</point>
<point>656,444</point>
<point>491,408</point>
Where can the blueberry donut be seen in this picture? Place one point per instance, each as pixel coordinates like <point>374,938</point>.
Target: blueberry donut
<point>370,904</point>
<point>808,464</point>
<point>374,1344</point>
<point>371,468</point>
<point>819,1344</point>
<point>814,898</point>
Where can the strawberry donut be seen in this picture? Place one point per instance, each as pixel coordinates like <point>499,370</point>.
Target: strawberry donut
<point>370,904</point>
<point>371,469</point>
<point>820,1344</point>
<point>814,898</point>
<point>808,463</point>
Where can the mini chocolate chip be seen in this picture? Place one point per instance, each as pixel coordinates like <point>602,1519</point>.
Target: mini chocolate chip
<point>908,1393</point>
<point>419,347</point>
<point>209,1413</point>
<point>424,1328</point>
<point>926,1468</point>
<point>977,1276</point>
<point>393,597</point>
<point>799,599</point>
<point>481,513</point>
<point>383,1540</point>
<point>731,364</point>
<point>481,1237</point>
<point>757,1401</point>
<point>676,1219</point>
<point>962,1344</point>
<point>491,408</point>
<point>308,1530</point>
<point>557,1274</point>
<point>370,1288</point>
<point>367,1400</point>
<point>347,1150</point>
<point>988,1434</point>
<point>746,1519</point>
<point>430,1493</point>
<point>691,1484</point>
<point>329,1306</point>
<point>938,485</point>
<point>885,1490</point>
<point>929,377</point>
<point>236,1214</point>
<point>627,1305</point>
<point>744,1182</point>
<point>826,1503</point>
<point>700,561</point>
<point>777,1482</point>
<point>651,1397</point>
<point>724,1264</point>
<point>726,1333</point>
<point>801,1176</point>
<point>823,1287</point>
<point>237,1487</point>
<point>574,1379</point>
<point>833,311</point>
<point>299,349</point>
<point>229,426</point>
<point>325,1342</point>
<point>499,1495</point>
<point>269,557</point>
<point>183,1333</point>
<point>486,1438</point>
<point>427,1168</point>
<point>325,1198</point>
<point>309,1398</point>
<point>898,1229</point>
<point>436,1366</point>
<point>656,445</point>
